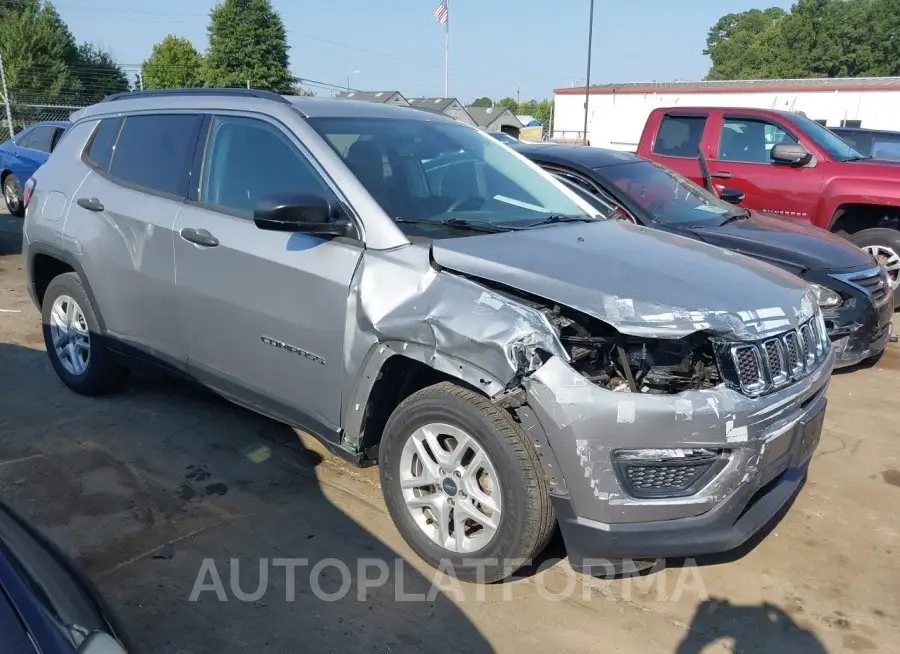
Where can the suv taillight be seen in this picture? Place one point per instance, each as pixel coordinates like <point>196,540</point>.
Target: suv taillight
<point>29,191</point>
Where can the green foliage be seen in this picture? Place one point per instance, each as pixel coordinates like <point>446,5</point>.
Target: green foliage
<point>508,103</point>
<point>247,45</point>
<point>174,63</point>
<point>98,74</point>
<point>483,102</point>
<point>42,62</point>
<point>817,38</point>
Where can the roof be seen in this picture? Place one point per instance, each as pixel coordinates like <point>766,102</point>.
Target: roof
<point>211,100</point>
<point>53,123</point>
<point>527,120</point>
<point>437,104</point>
<point>864,130</point>
<point>579,155</point>
<point>743,86</point>
<point>484,116</point>
<point>369,96</point>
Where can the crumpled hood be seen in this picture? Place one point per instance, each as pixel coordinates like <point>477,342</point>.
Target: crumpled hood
<point>644,282</point>
<point>789,241</point>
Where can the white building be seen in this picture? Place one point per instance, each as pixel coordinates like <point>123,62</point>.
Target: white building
<point>617,112</point>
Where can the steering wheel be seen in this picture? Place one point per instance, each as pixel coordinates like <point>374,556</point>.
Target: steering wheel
<point>464,200</point>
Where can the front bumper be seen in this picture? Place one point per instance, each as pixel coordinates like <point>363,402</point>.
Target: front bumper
<point>768,442</point>
<point>859,329</point>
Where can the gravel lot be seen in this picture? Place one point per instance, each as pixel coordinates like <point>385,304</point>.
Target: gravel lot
<point>142,487</point>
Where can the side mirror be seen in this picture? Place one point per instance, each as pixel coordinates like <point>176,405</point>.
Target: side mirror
<point>303,213</point>
<point>791,154</point>
<point>732,195</point>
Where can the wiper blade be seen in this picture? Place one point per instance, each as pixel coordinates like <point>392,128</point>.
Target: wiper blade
<point>552,220</point>
<point>457,223</point>
<point>744,214</point>
<point>861,157</point>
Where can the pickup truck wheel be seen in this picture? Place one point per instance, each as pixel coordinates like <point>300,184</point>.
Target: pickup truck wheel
<point>884,245</point>
<point>463,484</point>
<point>73,339</point>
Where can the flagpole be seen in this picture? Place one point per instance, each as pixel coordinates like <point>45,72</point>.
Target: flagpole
<point>447,50</point>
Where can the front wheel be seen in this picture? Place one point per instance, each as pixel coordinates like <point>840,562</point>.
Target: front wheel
<point>11,195</point>
<point>463,484</point>
<point>883,244</point>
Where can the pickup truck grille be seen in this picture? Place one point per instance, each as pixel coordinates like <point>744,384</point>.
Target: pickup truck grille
<point>874,282</point>
<point>764,366</point>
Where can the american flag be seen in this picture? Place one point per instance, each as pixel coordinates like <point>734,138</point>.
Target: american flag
<point>441,12</point>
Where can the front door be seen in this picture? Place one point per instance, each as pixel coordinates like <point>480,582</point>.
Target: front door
<point>264,313</point>
<point>744,162</point>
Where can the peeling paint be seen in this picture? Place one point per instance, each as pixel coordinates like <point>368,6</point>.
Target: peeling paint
<point>737,434</point>
<point>684,410</point>
<point>625,411</point>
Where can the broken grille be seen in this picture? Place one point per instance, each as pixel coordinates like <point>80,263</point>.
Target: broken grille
<point>769,364</point>
<point>873,282</point>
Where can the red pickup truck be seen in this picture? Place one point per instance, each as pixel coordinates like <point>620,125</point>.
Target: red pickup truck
<point>787,165</point>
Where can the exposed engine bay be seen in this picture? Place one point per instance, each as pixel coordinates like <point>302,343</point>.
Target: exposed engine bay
<point>639,365</point>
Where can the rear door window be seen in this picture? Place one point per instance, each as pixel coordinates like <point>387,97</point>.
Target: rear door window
<point>154,152</point>
<point>883,148</point>
<point>41,138</point>
<point>679,136</point>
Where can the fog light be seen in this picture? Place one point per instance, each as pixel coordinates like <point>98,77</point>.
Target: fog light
<point>666,473</point>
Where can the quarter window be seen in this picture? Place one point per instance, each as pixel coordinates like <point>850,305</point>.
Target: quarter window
<point>99,152</point>
<point>248,160</point>
<point>679,136</point>
<point>750,141</point>
<point>154,152</point>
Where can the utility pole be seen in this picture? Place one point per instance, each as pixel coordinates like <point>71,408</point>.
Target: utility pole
<point>447,50</point>
<point>587,84</point>
<point>517,95</point>
<point>6,101</point>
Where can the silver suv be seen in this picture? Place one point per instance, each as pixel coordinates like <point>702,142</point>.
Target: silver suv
<point>419,296</point>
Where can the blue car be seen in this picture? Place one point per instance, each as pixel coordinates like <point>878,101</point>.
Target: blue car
<point>47,606</point>
<point>23,154</point>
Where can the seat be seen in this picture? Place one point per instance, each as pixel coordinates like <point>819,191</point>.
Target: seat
<point>365,160</point>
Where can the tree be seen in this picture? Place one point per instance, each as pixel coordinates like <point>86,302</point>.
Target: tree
<point>174,63</point>
<point>508,103</point>
<point>38,51</point>
<point>98,74</point>
<point>483,102</point>
<point>817,38</point>
<point>544,113</point>
<point>247,45</point>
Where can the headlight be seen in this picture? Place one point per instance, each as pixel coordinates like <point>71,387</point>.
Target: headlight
<point>826,298</point>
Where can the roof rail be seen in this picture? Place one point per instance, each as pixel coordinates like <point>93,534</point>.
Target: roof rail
<point>162,93</point>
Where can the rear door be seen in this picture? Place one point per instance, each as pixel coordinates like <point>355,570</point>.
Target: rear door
<point>678,140</point>
<point>32,150</point>
<point>264,312</point>
<point>743,161</point>
<point>122,219</point>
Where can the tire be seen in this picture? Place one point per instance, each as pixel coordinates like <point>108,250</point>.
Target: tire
<point>526,516</point>
<point>12,197</point>
<point>884,244</point>
<point>101,373</point>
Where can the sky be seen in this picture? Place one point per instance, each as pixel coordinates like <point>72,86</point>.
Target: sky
<point>498,48</point>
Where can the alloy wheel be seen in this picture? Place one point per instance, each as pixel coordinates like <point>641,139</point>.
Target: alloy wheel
<point>11,194</point>
<point>888,258</point>
<point>70,336</point>
<point>450,487</point>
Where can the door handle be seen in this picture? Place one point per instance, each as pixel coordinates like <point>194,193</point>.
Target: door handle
<point>91,204</point>
<point>199,237</point>
<point>722,175</point>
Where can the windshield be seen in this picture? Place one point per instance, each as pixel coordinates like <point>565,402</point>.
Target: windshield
<point>666,196</point>
<point>833,144</point>
<point>426,172</point>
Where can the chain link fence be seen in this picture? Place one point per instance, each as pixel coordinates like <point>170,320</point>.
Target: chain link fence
<point>21,115</point>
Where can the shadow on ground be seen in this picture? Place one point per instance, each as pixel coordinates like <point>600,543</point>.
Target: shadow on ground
<point>752,629</point>
<point>164,491</point>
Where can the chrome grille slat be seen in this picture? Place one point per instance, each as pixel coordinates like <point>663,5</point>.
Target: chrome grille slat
<point>769,364</point>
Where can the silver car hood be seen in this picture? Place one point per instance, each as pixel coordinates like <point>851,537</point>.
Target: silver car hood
<point>644,282</point>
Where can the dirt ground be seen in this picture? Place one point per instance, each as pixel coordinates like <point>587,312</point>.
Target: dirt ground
<point>142,487</point>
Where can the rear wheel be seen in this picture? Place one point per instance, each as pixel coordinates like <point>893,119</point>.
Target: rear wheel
<point>73,339</point>
<point>463,484</point>
<point>884,245</point>
<point>12,196</point>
